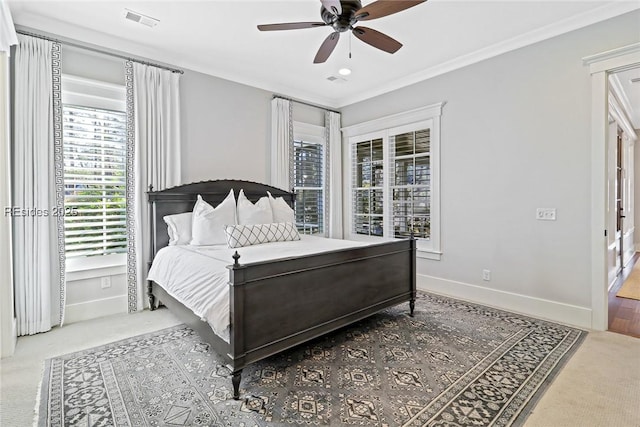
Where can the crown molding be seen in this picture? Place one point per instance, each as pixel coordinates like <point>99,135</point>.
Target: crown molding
<point>590,17</point>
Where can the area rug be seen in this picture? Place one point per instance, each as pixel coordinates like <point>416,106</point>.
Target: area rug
<point>631,286</point>
<point>453,364</point>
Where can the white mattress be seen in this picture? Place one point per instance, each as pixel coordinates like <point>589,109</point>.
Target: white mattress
<point>197,275</point>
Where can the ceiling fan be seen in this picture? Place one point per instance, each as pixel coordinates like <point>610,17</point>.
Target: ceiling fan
<point>342,15</point>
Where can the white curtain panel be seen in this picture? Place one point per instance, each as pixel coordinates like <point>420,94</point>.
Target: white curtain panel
<point>8,36</point>
<point>39,286</point>
<point>334,142</point>
<point>281,144</point>
<point>156,162</point>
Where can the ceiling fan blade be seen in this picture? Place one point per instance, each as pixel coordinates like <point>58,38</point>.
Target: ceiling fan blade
<point>332,6</point>
<point>326,48</point>
<point>377,39</point>
<point>290,26</point>
<point>382,8</point>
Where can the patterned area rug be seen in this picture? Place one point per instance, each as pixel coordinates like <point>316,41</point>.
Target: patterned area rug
<point>453,364</point>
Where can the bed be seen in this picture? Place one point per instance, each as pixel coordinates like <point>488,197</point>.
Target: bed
<point>278,304</point>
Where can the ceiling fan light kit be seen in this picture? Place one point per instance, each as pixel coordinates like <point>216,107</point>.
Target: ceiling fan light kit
<point>343,15</point>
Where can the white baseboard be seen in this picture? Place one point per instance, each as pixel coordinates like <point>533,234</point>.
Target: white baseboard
<point>536,307</point>
<point>96,308</point>
<point>8,343</point>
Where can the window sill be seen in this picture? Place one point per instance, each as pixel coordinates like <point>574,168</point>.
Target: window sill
<point>96,266</point>
<point>420,253</point>
<point>435,256</point>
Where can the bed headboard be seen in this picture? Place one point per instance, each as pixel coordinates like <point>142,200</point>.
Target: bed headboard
<point>183,197</point>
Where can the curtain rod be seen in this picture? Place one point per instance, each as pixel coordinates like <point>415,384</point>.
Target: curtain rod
<point>104,52</point>
<point>305,103</point>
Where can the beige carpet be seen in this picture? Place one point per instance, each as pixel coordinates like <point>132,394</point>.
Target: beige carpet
<point>631,287</point>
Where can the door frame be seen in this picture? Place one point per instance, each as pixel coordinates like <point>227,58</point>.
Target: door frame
<point>600,66</point>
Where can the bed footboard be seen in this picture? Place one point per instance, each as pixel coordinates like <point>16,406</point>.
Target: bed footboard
<point>279,304</point>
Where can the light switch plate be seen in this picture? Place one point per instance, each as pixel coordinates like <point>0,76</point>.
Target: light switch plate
<point>546,214</point>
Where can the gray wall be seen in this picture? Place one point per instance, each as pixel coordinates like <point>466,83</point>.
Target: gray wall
<point>223,121</point>
<point>225,129</point>
<point>91,65</point>
<point>515,136</point>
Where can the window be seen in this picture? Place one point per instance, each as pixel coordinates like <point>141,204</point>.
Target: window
<point>309,183</point>
<point>394,178</point>
<point>368,188</point>
<point>411,183</point>
<point>94,141</point>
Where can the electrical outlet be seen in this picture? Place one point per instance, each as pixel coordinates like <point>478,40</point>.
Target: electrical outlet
<point>486,275</point>
<point>546,214</point>
<point>105,282</point>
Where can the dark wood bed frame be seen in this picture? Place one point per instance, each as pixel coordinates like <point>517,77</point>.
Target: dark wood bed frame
<point>279,304</point>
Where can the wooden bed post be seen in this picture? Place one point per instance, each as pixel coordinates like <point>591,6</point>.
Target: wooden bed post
<point>152,253</point>
<point>150,295</point>
<point>412,300</point>
<point>236,333</point>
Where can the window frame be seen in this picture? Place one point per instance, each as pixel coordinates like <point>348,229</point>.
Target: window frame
<point>102,95</point>
<point>314,134</point>
<point>384,127</point>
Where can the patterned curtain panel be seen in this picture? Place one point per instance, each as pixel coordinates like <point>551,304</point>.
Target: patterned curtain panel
<point>281,144</point>
<point>334,174</point>
<point>153,159</point>
<point>38,191</point>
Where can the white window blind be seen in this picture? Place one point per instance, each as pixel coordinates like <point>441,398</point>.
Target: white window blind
<point>94,143</point>
<point>308,183</point>
<point>411,183</point>
<point>368,184</point>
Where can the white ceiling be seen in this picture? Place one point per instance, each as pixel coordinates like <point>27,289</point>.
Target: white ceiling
<point>220,38</point>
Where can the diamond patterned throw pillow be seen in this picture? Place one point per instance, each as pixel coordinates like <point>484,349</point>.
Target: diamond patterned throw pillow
<point>253,234</point>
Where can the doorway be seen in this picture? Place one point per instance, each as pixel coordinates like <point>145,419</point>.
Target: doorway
<point>600,67</point>
<point>624,122</point>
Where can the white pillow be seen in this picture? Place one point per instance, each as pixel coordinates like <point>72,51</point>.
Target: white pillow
<point>179,228</point>
<point>282,212</point>
<point>248,213</point>
<point>208,223</point>
<point>253,234</point>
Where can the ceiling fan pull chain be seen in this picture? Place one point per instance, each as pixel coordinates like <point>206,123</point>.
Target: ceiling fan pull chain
<point>350,45</point>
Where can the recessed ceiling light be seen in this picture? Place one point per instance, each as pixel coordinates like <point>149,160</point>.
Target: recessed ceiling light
<point>344,71</point>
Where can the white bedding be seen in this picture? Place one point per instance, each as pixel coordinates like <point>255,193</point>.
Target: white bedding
<point>197,275</point>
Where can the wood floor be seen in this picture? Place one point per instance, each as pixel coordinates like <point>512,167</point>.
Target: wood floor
<point>624,313</point>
